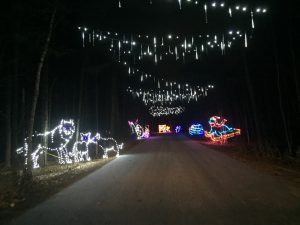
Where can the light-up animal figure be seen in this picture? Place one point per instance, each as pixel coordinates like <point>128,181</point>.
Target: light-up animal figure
<point>80,151</point>
<point>107,145</point>
<point>60,137</point>
<point>219,132</point>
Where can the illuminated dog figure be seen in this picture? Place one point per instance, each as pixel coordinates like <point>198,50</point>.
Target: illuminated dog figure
<point>60,137</point>
<point>219,132</point>
<point>80,151</point>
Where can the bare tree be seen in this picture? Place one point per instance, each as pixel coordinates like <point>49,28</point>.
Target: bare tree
<point>282,112</point>
<point>252,101</point>
<point>28,171</point>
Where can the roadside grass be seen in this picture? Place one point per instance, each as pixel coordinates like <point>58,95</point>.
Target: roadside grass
<point>47,181</point>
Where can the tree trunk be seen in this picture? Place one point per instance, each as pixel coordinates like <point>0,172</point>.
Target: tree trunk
<point>28,168</point>
<point>97,113</point>
<point>252,102</point>
<point>15,84</point>
<point>22,116</point>
<point>8,125</point>
<point>80,101</point>
<point>283,117</point>
<point>46,116</point>
<point>114,105</point>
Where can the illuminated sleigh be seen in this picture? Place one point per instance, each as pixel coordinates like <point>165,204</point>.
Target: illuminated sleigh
<point>219,131</point>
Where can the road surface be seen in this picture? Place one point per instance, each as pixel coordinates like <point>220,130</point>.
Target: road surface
<point>169,181</point>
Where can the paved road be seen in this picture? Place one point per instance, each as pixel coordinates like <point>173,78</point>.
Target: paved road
<point>170,181</point>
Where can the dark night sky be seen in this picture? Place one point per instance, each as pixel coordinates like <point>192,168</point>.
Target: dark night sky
<point>164,17</point>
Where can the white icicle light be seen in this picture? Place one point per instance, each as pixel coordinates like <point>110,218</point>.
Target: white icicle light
<point>179,2</point>
<point>205,10</point>
<point>252,20</point>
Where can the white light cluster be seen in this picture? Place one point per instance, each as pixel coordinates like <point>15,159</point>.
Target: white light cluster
<point>158,111</point>
<point>167,93</point>
<point>60,138</point>
<point>214,5</point>
<point>113,145</point>
<point>134,48</point>
<point>63,133</point>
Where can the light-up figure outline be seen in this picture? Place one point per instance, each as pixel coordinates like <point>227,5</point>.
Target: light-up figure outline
<point>164,129</point>
<point>65,131</point>
<point>115,147</point>
<point>138,130</point>
<point>178,129</point>
<point>219,132</point>
<point>196,130</point>
<point>66,134</point>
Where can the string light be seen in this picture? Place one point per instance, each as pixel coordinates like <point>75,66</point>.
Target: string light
<point>214,6</point>
<point>219,131</point>
<point>111,142</point>
<point>60,138</point>
<point>178,129</point>
<point>85,141</point>
<point>166,92</point>
<point>179,48</point>
<point>196,130</point>
<point>158,111</point>
<point>139,131</point>
<point>164,129</point>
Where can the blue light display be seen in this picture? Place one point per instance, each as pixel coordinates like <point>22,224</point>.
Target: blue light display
<point>196,130</point>
<point>178,129</point>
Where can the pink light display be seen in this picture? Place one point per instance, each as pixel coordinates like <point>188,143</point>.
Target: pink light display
<point>137,129</point>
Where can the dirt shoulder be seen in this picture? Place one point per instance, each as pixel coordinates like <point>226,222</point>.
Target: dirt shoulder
<point>285,168</point>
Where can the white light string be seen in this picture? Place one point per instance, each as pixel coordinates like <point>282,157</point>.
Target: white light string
<point>60,138</point>
<point>133,48</point>
<point>158,111</point>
